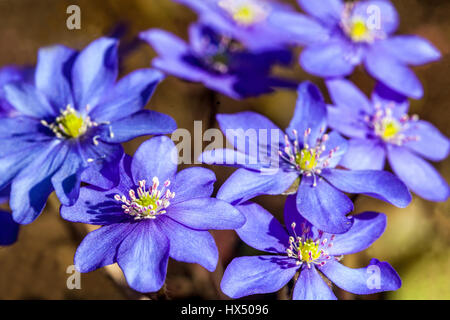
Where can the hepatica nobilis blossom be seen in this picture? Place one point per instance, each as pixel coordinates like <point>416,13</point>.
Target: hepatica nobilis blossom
<point>273,162</point>
<point>152,214</point>
<point>9,229</point>
<point>381,128</point>
<point>218,62</point>
<point>248,21</point>
<point>339,36</point>
<point>68,125</point>
<point>302,251</point>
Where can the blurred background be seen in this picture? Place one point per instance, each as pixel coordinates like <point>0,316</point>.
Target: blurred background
<point>417,239</point>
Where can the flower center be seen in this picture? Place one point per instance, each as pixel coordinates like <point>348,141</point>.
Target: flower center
<point>306,250</point>
<point>245,12</point>
<point>147,204</point>
<point>69,124</point>
<point>358,30</point>
<point>389,128</point>
<point>307,160</point>
<point>361,29</point>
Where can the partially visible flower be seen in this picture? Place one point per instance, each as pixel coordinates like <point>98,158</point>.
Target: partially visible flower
<point>380,128</point>
<point>8,228</point>
<point>67,126</point>
<point>304,250</point>
<point>152,214</point>
<point>303,159</point>
<point>11,74</point>
<point>248,21</point>
<point>218,62</point>
<point>339,36</point>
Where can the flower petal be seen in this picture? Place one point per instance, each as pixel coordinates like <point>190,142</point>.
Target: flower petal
<point>375,183</point>
<point>376,277</point>
<point>366,229</point>
<point>156,157</point>
<point>143,256</point>
<point>345,93</point>
<point>324,206</point>
<point>327,11</point>
<point>261,230</point>
<point>8,229</point>
<point>421,177</point>
<point>310,286</point>
<point>99,248</point>
<point>348,121</point>
<point>246,276</point>
<point>192,183</point>
<point>206,214</point>
<point>364,154</point>
<point>189,245</point>
<point>164,43</point>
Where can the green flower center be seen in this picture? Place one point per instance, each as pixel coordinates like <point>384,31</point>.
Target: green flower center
<point>69,124</point>
<point>306,159</point>
<point>309,250</point>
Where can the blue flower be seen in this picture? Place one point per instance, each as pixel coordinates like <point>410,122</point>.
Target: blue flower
<point>68,125</point>
<point>305,250</point>
<point>8,228</point>
<point>304,158</point>
<point>248,21</point>
<point>339,36</point>
<point>218,62</point>
<point>152,214</point>
<point>10,74</point>
<point>381,128</point>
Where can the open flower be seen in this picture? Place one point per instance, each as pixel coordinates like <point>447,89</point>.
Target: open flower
<point>305,158</point>
<point>339,36</point>
<point>248,21</point>
<point>219,62</point>
<point>380,128</point>
<point>152,214</point>
<point>8,228</point>
<point>67,127</point>
<point>302,251</point>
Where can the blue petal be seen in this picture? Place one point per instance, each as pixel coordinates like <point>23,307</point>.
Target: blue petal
<point>378,184</point>
<point>99,248</point>
<point>329,12</point>
<point>143,256</point>
<point>393,73</point>
<point>128,96</point>
<point>384,96</point>
<point>432,144</point>
<point>348,121</point>
<point>311,286</point>
<point>244,185</point>
<point>192,183</point>
<point>164,43</point>
<point>156,157</point>
<point>206,214</point>
<point>144,122</point>
<point>53,75</point>
<point>230,157</point>
<point>310,113</point>
<point>94,72</point>
<point>330,59</point>
<point>339,145</point>
<point>189,245</point>
<point>8,229</point>
<point>366,229</point>
<point>4,194</point>
<point>418,175</point>
<point>376,277</point>
<point>383,10</point>
<point>31,188</point>
<point>345,93</point>
<point>364,154</point>
<point>324,206</point>
<point>412,50</point>
<point>28,100</point>
<point>246,276</point>
<point>261,230</point>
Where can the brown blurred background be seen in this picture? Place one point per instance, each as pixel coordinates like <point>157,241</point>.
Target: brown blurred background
<point>416,241</point>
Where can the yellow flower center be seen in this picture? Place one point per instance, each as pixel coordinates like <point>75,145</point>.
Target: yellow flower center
<point>72,124</point>
<point>359,30</point>
<point>389,128</point>
<point>244,15</point>
<point>309,250</point>
<point>245,12</point>
<point>306,159</point>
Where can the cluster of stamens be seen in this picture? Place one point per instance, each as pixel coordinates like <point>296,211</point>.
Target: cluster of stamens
<point>218,55</point>
<point>245,12</point>
<point>309,251</point>
<point>358,28</point>
<point>146,204</point>
<point>389,128</point>
<point>308,160</point>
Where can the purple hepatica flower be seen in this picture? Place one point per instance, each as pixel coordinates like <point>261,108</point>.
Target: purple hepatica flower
<point>340,36</point>
<point>69,124</point>
<point>218,62</point>
<point>7,75</point>
<point>144,222</point>
<point>304,249</point>
<point>248,21</point>
<point>8,228</point>
<point>381,128</point>
<point>308,162</point>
